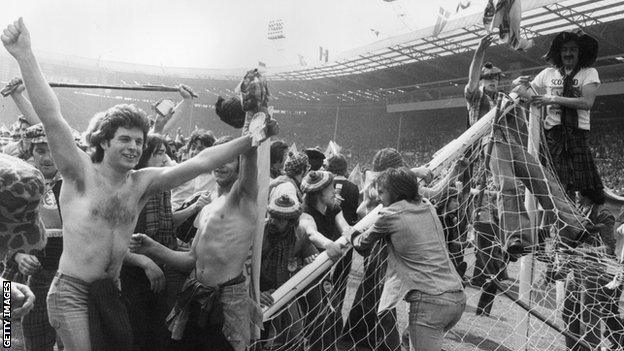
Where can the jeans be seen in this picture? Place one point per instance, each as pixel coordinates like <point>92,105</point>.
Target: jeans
<point>430,316</point>
<point>509,163</point>
<point>240,314</point>
<point>68,311</point>
<point>39,335</point>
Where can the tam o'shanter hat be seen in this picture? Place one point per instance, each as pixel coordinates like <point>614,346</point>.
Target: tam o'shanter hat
<point>316,181</point>
<point>284,207</point>
<point>588,47</point>
<point>36,134</point>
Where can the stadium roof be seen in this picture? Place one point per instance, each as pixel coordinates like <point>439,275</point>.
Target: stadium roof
<point>418,66</point>
<point>540,17</point>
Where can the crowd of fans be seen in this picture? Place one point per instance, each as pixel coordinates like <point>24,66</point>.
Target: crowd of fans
<point>421,136</point>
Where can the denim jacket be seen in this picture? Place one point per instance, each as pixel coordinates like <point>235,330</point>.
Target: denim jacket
<point>417,255</point>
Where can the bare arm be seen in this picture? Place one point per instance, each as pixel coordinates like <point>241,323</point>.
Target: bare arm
<point>584,102</point>
<point>342,224</point>
<point>182,111</point>
<point>247,183</point>
<point>308,224</point>
<point>24,106</point>
<point>182,260</point>
<point>477,61</point>
<point>70,160</point>
<point>165,178</point>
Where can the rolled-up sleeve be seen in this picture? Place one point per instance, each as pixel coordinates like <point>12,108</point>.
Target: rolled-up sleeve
<point>382,228</point>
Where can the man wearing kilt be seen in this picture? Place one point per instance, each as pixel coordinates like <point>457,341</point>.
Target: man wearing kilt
<point>570,88</point>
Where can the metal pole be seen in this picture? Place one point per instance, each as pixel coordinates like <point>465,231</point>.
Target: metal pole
<point>527,263</point>
<point>336,123</point>
<point>398,145</point>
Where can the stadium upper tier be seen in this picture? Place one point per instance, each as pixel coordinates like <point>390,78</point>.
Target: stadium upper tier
<point>411,67</point>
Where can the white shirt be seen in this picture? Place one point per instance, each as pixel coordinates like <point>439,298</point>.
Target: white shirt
<point>203,182</point>
<point>551,80</point>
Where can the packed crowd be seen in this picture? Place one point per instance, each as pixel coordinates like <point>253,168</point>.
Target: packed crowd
<point>149,232</point>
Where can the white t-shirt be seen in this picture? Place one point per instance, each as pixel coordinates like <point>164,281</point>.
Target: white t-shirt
<point>551,80</point>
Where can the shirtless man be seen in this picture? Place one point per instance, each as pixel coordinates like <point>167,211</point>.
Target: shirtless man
<point>100,199</point>
<point>217,258</point>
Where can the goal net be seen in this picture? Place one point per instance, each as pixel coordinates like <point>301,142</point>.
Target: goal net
<point>495,191</point>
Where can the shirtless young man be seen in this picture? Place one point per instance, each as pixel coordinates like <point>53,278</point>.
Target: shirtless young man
<point>217,258</point>
<point>100,200</point>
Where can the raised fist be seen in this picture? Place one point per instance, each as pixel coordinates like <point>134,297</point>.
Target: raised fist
<point>186,92</point>
<point>16,38</point>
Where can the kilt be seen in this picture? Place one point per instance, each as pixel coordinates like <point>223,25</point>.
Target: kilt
<point>572,159</point>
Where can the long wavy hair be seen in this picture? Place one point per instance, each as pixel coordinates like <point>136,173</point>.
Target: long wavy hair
<point>401,183</point>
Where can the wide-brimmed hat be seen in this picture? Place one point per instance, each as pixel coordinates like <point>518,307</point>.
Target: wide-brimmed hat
<point>588,47</point>
<point>21,188</point>
<point>284,207</point>
<point>316,181</point>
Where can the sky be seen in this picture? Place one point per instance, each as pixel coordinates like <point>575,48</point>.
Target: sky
<point>217,34</point>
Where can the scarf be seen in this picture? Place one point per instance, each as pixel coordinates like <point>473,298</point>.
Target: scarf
<point>569,116</point>
<point>275,260</point>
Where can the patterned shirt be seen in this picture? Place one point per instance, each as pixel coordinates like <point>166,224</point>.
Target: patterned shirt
<point>478,104</point>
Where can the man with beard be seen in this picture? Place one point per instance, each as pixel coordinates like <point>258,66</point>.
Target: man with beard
<point>100,201</point>
<point>285,250</point>
<point>570,87</point>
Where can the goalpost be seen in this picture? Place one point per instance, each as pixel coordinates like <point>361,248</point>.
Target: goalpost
<point>301,317</point>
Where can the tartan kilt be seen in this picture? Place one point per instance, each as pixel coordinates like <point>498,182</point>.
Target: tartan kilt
<point>572,158</point>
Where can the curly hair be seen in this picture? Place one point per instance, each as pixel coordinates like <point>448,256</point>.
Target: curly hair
<point>104,125</point>
<point>205,137</point>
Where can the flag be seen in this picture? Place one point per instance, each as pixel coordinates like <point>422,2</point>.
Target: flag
<point>332,149</point>
<point>302,60</point>
<point>323,55</point>
<point>462,5</point>
<point>261,64</point>
<point>293,148</point>
<point>443,16</point>
<point>356,176</point>
<point>376,32</point>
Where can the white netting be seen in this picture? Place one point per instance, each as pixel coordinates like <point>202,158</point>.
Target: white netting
<point>481,204</point>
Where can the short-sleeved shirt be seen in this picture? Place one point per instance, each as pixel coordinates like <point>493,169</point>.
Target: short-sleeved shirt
<point>551,80</point>
<point>479,103</point>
